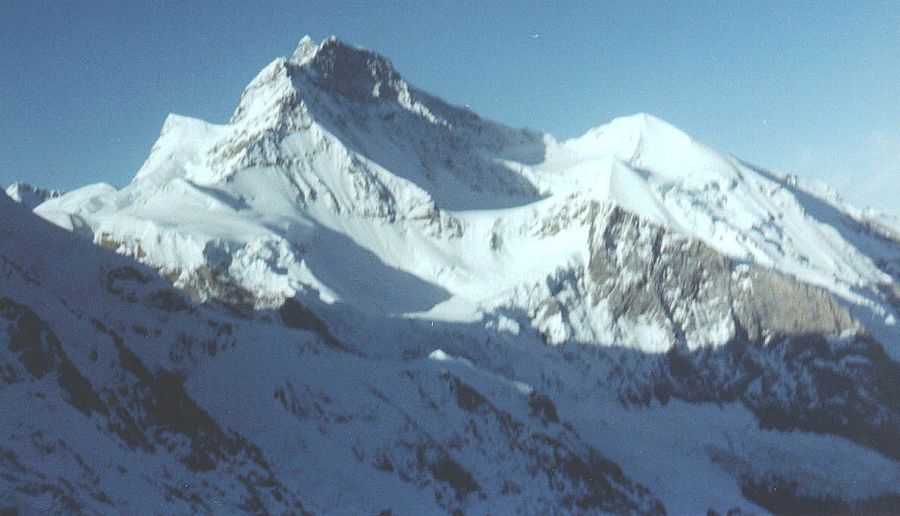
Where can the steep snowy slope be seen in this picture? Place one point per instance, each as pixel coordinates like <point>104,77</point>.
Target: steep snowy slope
<point>88,424</point>
<point>341,200</point>
<point>119,395</point>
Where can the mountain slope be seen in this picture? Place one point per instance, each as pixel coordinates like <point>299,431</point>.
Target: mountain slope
<point>120,395</point>
<point>677,287</point>
<point>319,422</point>
<point>90,425</point>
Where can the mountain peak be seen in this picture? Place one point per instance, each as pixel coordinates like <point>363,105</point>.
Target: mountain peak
<point>355,72</point>
<point>30,196</point>
<point>306,49</point>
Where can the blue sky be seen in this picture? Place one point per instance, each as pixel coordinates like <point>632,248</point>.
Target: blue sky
<point>806,87</point>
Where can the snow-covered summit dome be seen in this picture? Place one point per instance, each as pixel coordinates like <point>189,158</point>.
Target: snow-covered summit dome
<point>306,49</point>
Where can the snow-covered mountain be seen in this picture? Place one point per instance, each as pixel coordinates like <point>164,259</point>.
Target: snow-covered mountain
<point>428,308</point>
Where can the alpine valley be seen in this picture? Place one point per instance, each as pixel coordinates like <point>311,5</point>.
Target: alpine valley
<point>355,298</point>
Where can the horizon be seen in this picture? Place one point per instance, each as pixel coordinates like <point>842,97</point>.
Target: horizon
<point>805,89</point>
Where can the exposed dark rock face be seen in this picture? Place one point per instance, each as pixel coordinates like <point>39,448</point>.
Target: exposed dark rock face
<point>478,455</point>
<point>295,315</point>
<point>841,386</point>
<point>591,482</point>
<point>581,479</point>
<point>788,351</point>
<point>644,271</point>
<point>144,411</point>
<point>786,497</point>
<point>38,349</point>
<point>356,73</point>
<point>30,196</point>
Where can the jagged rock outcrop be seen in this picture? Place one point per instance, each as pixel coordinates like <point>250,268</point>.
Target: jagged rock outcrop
<point>135,410</point>
<point>789,351</point>
<point>840,386</point>
<point>647,271</point>
<point>30,196</point>
<point>641,275</point>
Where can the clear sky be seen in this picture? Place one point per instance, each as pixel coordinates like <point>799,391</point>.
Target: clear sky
<point>810,88</point>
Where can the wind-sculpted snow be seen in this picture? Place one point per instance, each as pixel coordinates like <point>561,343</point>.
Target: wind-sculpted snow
<point>379,289</point>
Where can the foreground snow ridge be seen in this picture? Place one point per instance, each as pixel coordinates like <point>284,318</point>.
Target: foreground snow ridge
<point>376,290</point>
